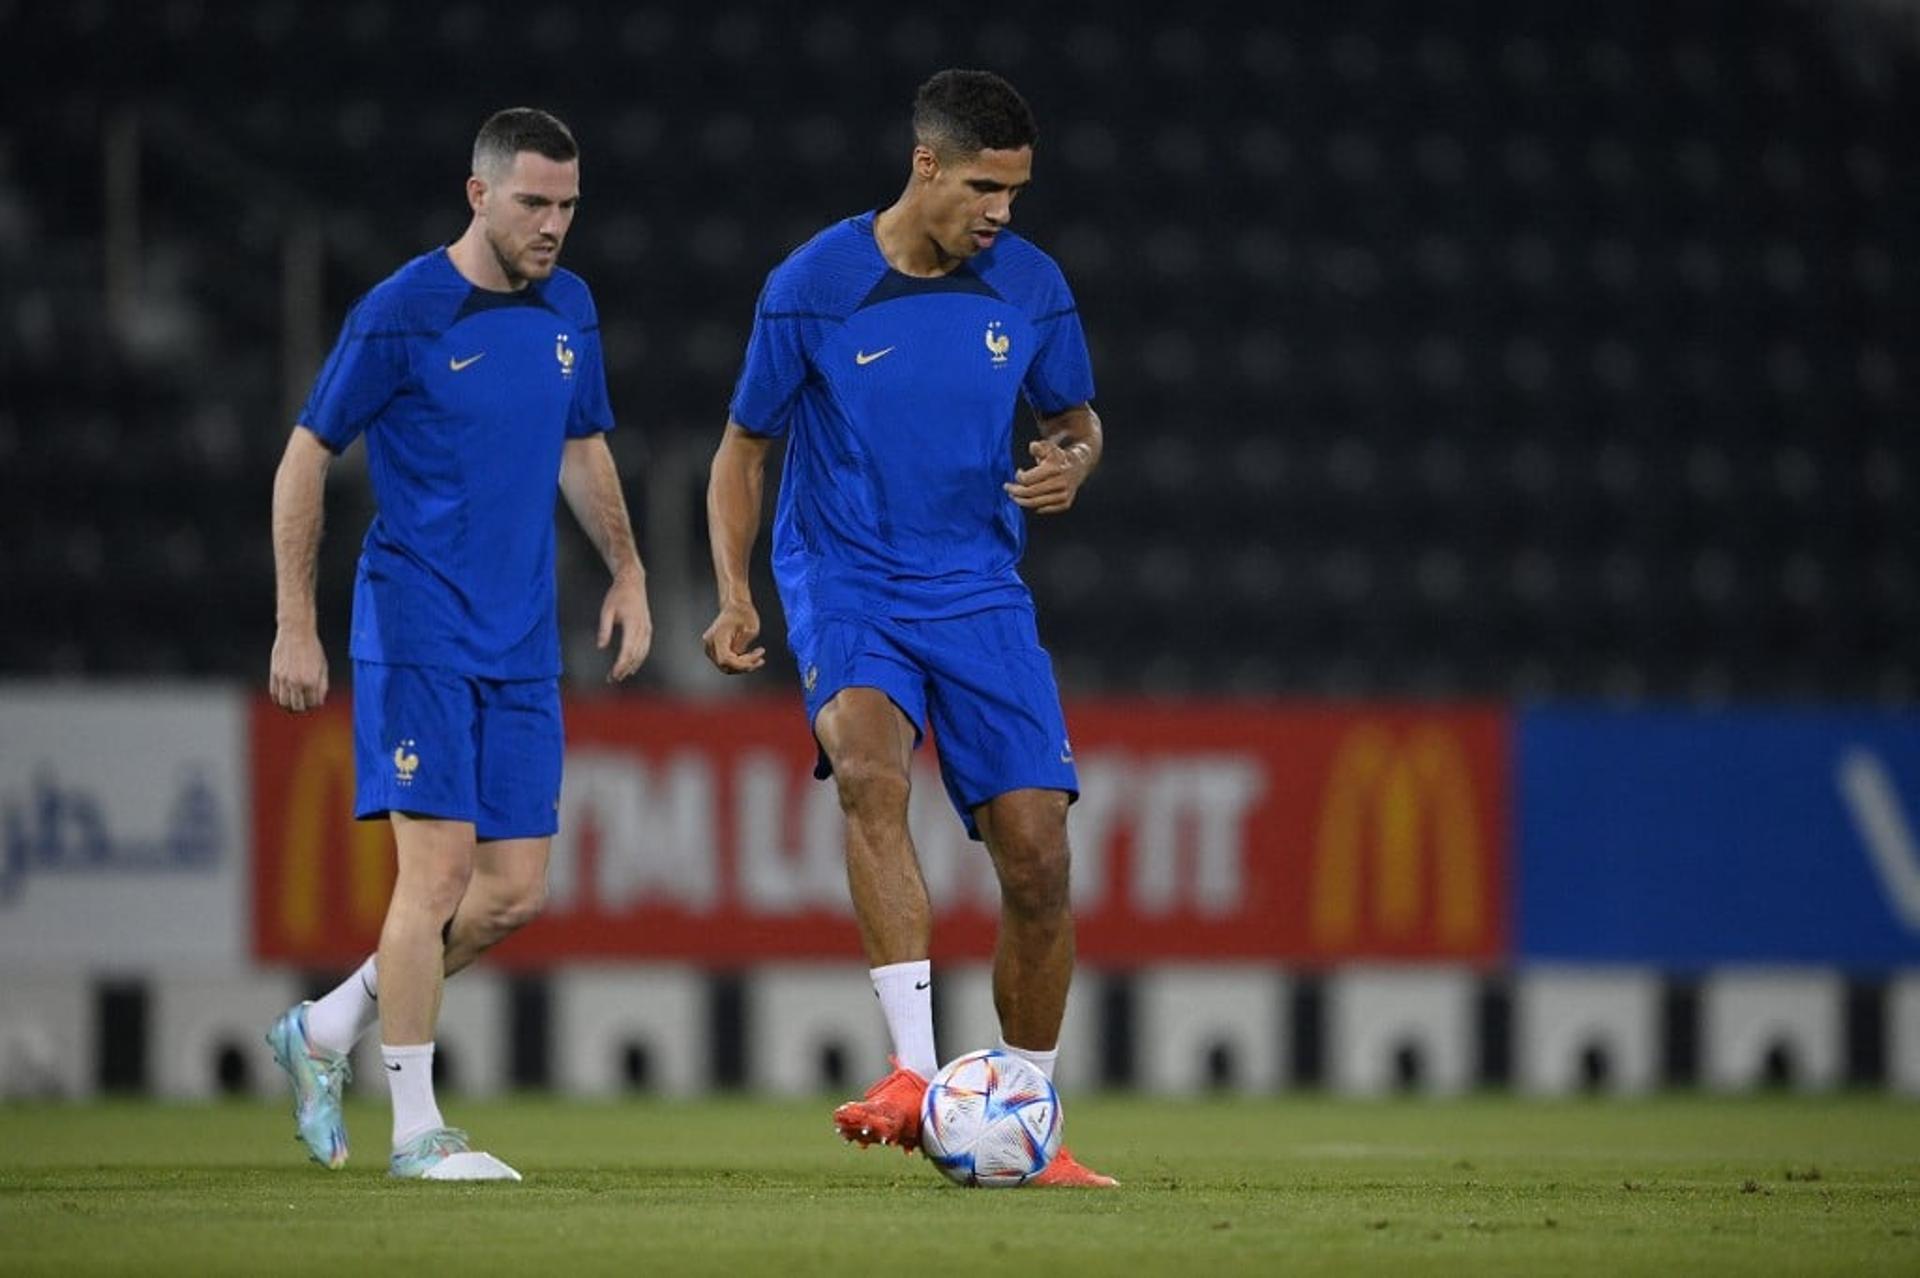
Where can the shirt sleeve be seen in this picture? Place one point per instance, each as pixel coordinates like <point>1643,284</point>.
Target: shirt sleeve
<point>592,410</point>
<point>775,367</point>
<point>1061,374</point>
<point>367,367</point>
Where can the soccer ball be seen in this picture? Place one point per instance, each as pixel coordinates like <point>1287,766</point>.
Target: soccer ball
<point>990,1119</point>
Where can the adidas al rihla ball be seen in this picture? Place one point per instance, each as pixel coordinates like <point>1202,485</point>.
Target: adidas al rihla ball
<point>990,1119</point>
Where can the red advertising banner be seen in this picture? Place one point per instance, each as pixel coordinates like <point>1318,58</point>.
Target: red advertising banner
<point>690,830</point>
<point>320,878</point>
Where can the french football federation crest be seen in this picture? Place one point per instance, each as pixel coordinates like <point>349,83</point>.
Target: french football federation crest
<point>406,761</point>
<point>563,353</point>
<point>998,342</point>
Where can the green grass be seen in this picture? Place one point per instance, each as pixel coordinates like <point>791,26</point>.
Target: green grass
<point>1293,1186</point>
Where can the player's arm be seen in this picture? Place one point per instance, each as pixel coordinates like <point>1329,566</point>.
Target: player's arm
<point>734,487</point>
<point>1065,454</point>
<point>591,484</point>
<point>297,678</point>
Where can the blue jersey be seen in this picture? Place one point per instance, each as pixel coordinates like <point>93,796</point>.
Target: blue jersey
<point>466,397</point>
<point>896,396</point>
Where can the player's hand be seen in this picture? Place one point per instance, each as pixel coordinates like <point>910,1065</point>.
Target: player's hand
<point>727,638</point>
<point>626,607</point>
<point>1048,486</point>
<point>297,677</point>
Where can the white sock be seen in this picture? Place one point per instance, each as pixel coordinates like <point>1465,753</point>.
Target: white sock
<point>906,999</point>
<point>1043,1061</point>
<point>338,1018</point>
<point>410,1080</point>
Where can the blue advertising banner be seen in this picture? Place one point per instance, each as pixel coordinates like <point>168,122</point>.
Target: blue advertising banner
<point>1688,839</point>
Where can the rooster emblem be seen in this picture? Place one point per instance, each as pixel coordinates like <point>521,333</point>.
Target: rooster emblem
<point>998,342</point>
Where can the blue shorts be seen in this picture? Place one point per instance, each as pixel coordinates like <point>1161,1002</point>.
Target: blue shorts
<point>983,680</point>
<point>439,744</point>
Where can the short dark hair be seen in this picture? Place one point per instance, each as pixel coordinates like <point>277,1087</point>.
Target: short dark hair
<point>965,112</point>
<point>518,129</point>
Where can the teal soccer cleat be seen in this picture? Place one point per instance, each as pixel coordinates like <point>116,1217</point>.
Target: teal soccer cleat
<point>318,1077</point>
<point>443,1154</point>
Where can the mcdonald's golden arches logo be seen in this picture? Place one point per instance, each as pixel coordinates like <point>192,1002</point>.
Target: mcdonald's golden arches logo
<point>1398,818</point>
<point>318,802</point>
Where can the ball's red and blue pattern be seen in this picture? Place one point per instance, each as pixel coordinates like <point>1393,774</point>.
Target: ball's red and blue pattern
<point>990,1119</point>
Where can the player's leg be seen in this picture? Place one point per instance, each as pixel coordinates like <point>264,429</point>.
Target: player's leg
<point>868,742</point>
<point>866,701</point>
<point>1008,768</point>
<point>340,1018</point>
<point>1026,834</point>
<point>517,739</point>
<point>435,863</point>
<point>508,890</point>
<point>518,764</point>
<point>413,751</point>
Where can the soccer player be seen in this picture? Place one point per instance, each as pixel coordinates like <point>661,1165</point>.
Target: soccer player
<point>475,374</point>
<point>889,351</point>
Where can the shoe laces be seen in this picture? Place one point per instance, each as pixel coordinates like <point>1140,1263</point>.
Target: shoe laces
<point>328,1070</point>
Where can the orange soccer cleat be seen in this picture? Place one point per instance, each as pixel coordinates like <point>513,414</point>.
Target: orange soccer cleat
<point>1066,1170</point>
<point>889,1114</point>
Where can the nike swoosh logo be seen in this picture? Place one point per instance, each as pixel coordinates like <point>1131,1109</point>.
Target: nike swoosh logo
<point>457,364</point>
<point>919,985</point>
<point>394,1068</point>
<point>863,359</point>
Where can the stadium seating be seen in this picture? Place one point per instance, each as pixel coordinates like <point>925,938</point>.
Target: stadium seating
<point>1494,349</point>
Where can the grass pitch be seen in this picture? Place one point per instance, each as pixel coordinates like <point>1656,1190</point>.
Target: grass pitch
<point>1292,1186</point>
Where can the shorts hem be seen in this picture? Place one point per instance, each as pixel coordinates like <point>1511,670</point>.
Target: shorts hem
<point>380,811</point>
<point>493,834</point>
<point>1071,791</point>
<point>965,809</point>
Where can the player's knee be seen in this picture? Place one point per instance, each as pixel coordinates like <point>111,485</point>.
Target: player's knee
<point>870,789</point>
<point>504,906</point>
<point>433,890</point>
<point>521,907</point>
<point>1034,877</point>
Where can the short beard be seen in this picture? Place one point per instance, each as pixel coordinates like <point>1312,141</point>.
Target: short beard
<point>515,280</point>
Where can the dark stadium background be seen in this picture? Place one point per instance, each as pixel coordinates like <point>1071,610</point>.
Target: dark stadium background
<point>1510,349</point>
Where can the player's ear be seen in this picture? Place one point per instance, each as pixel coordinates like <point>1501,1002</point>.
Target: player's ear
<point>925,163</point>
<point>476,192</point>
